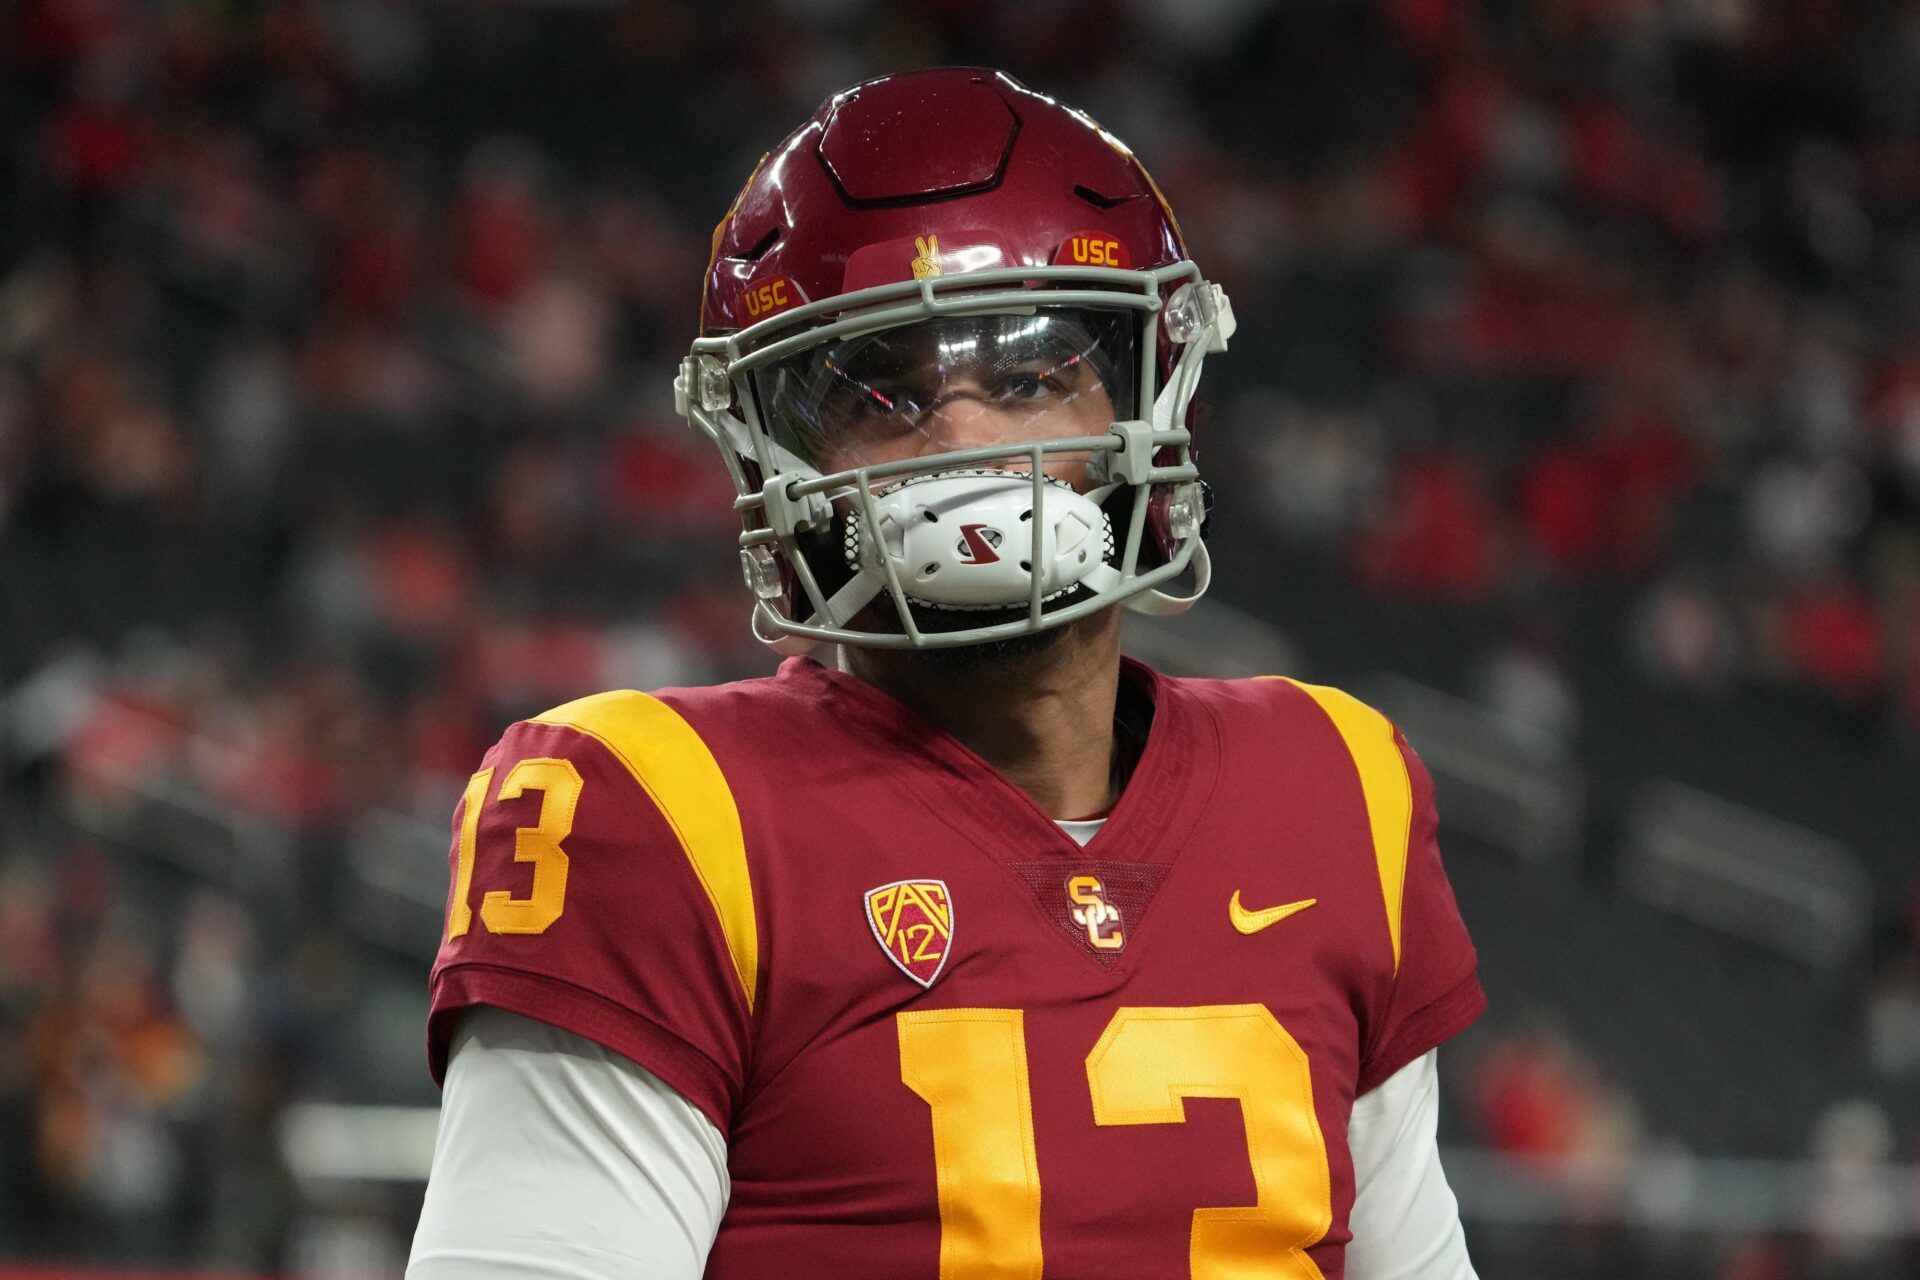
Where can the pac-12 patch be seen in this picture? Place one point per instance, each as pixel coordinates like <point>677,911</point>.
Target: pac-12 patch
<point>912,920</point>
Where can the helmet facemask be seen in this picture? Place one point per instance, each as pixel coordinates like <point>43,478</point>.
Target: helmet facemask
<point>947,462</point>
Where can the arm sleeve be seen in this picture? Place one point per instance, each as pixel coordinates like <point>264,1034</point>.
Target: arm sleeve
<point>558,1159</point>
<point>599,884</point>
<point>1436,988</point>
<point>1405,1221</point>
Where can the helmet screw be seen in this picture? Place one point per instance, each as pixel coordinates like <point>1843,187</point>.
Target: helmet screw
<point>712,384</point>
<point>1183,318</point>
<point>1183,513</point>
<point>762,572</point>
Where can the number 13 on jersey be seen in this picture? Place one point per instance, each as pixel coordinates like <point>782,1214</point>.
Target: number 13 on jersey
<point>970,1066</point>
<point>558,783</point>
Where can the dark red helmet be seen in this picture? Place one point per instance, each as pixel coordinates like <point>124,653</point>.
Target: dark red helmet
<point>944,210</point>
<point>1001,175</point>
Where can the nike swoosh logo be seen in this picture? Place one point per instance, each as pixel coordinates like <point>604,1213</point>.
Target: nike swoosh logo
<point>1254,921</point>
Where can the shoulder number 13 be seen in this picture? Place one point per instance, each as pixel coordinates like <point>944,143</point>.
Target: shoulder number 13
<point>558,783</point>
<point>970,1065</point>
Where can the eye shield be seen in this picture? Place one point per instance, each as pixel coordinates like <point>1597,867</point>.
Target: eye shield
<point>872,397</point>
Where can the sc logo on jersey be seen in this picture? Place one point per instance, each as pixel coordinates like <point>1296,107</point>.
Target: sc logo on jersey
<point>1092,912</point>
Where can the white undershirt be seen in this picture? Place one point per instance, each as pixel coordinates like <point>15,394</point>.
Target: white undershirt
<point>559,1159</point>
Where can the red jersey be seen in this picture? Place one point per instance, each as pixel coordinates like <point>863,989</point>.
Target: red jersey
<point>941,1038</point>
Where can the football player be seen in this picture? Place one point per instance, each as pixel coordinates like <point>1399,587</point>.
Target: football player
<point>986,953</point>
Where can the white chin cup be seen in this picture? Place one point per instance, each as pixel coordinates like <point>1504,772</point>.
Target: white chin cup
<point>967,540</point>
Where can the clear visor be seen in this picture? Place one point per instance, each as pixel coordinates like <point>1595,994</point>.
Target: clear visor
<point>953,382</point>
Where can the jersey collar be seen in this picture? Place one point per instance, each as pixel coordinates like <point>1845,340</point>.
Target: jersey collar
<point>1168,789</point>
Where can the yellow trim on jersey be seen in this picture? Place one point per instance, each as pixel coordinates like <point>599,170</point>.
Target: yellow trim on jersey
<point>673,766</point>
<point>1384,783</point>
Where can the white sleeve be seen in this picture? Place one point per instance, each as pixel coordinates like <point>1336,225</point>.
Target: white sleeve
<point>558,1159</point>
<point>1405,1221</point>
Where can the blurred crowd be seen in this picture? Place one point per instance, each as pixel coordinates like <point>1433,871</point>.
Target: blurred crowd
<point>335,432</point>
<point>1640,297</point>
<point>1538,1098</point>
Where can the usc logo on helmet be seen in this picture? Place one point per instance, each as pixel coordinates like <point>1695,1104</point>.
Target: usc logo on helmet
<point>769,296</point>
<point>1092,249</point>
<point>1092,912</point>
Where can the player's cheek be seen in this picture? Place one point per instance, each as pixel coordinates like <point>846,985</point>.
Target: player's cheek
<point>874,445</point>
<point>1074,416</point>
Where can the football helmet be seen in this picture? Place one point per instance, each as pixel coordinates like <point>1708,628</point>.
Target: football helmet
<point>949,338</point>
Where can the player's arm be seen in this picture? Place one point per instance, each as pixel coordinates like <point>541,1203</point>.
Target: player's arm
<point>600,891</point>
<point>1405,1220</point>
<point>600,884</point>
<point>558,1159</point>
<point>1435,990</point>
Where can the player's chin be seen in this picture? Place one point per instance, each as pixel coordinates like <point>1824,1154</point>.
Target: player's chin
<point>983,654</point>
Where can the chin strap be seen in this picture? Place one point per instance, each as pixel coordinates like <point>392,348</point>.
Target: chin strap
<point>850,599</point>
<point>787,646</point>
<point>1159,604</point>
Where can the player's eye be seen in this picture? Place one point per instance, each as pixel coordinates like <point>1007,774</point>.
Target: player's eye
<point>1026,384</point>
<point>1040,380</point>
<point>853,398</point>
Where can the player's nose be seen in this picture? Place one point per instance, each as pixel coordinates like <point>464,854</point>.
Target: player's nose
<point>965,416</point>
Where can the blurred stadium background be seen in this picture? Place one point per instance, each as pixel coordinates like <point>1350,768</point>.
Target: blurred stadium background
<point>1574,419</point>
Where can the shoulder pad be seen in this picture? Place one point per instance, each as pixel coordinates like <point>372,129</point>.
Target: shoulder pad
<point>678,773</point>
<point>1385,781</point>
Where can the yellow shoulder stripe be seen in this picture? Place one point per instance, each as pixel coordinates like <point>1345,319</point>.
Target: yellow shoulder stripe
<point>673,766</point>
<point>1384,783</point>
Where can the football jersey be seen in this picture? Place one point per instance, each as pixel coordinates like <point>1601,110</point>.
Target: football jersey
<point>941,1037</point>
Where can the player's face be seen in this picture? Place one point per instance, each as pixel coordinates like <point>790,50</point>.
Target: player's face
<point>957,383</point>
